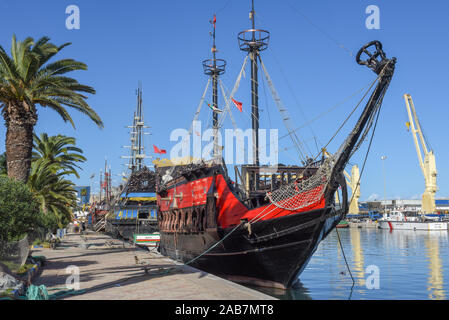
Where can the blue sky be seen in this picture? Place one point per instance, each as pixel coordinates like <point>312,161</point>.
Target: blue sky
<point>162,44</point>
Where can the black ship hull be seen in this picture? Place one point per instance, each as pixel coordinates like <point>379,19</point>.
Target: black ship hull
<point>273,255</point>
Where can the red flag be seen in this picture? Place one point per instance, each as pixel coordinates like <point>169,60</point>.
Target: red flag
<point>104,185</point>
<point>239,105</point>
<point>215,20</point>
<point>157,150</point>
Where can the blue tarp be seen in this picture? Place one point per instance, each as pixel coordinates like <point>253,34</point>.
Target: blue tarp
<point>138,194</point>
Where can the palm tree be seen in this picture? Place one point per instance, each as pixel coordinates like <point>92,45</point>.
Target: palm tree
<point>60,150</point>
<point>28,80</point>
<point>55,194</point>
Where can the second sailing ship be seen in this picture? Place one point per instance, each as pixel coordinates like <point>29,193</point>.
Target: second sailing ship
<point>134,211</point>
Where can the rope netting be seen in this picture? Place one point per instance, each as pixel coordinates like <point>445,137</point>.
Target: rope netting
<point>303,192</point>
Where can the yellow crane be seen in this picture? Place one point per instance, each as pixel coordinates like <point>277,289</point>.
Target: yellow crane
<point>353,182</point>
<point>427,163</point>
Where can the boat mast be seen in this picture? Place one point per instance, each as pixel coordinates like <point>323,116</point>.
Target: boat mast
<point>214,68</point>
<point>137,147</point>
<point>254,90</point>
<point>138,128</point>
<point>253,41</point>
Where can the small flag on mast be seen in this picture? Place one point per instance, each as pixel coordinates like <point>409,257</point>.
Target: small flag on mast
<point>159,151</point>
<point>214,108</point>
<point>239,105</point>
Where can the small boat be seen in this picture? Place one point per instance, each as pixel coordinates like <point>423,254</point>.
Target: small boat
<point>151,240</point>
<point>397,220</point>
<point>343,224</point>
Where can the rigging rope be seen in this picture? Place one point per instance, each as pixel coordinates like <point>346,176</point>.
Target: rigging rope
<point>198,110</point>
<point>356,107</point>
<point>328,110</point>
<point>234,90</point>
<point>266,103</point>
<point>228,109</point>
<point>338,43</point>
<point>261,147</point>
<point>310,190</point>
<point>357,185</point>
<point>294,96</point>
<point>284,114</point>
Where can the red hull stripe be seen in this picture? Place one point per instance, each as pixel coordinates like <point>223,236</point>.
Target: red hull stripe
<point>230,209</point>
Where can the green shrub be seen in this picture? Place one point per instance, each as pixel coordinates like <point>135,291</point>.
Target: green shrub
<point>19,211</point>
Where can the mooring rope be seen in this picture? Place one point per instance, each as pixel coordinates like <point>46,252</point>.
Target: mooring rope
<point>353,194</point>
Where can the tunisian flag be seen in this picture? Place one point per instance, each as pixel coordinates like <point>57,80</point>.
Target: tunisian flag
<point>157,150</point>
<point>238,104</point>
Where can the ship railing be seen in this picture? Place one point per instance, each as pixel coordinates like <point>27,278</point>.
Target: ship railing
<point>261,179</point>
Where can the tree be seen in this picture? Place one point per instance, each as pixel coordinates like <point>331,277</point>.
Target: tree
<point>28,80</point>
<point>59,150</point>
<point>56,195</point>
<point>19,211</point>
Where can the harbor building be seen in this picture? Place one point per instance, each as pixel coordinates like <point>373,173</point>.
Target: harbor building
<point>441,205</point>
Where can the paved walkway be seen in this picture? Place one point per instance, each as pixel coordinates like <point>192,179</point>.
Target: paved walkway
<point>112,270</point>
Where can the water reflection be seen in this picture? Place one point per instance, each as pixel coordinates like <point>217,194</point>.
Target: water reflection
<point>436,280</point>
<point>359,270</point>
<point>298,292</point>
<point>411,266</point>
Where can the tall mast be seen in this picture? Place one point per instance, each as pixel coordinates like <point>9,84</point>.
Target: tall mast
<point>253,41</point>
<point>106,181</point>
<point>214,67</point>
<point>138,128</point>
<point>137,147</point>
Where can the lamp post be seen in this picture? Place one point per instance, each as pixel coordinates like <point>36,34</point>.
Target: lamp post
<point>92,176</point>
<point>385,181</point>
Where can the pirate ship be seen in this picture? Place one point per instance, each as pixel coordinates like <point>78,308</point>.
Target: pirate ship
<point>262,228</point>
<point>134,210</point>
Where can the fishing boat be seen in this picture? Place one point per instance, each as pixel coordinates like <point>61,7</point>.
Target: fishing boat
<point>147,240</point>
<point>262,228</point>
<point>134,210</point>
<point>398,220</point>
<point>343,224</point>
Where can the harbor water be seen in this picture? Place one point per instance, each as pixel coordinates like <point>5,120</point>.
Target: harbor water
<point>385,265</point>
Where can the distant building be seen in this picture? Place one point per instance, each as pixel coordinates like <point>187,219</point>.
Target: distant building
<point>442,205</point>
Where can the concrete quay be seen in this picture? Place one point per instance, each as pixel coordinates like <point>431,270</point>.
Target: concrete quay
<point>110,269</point>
